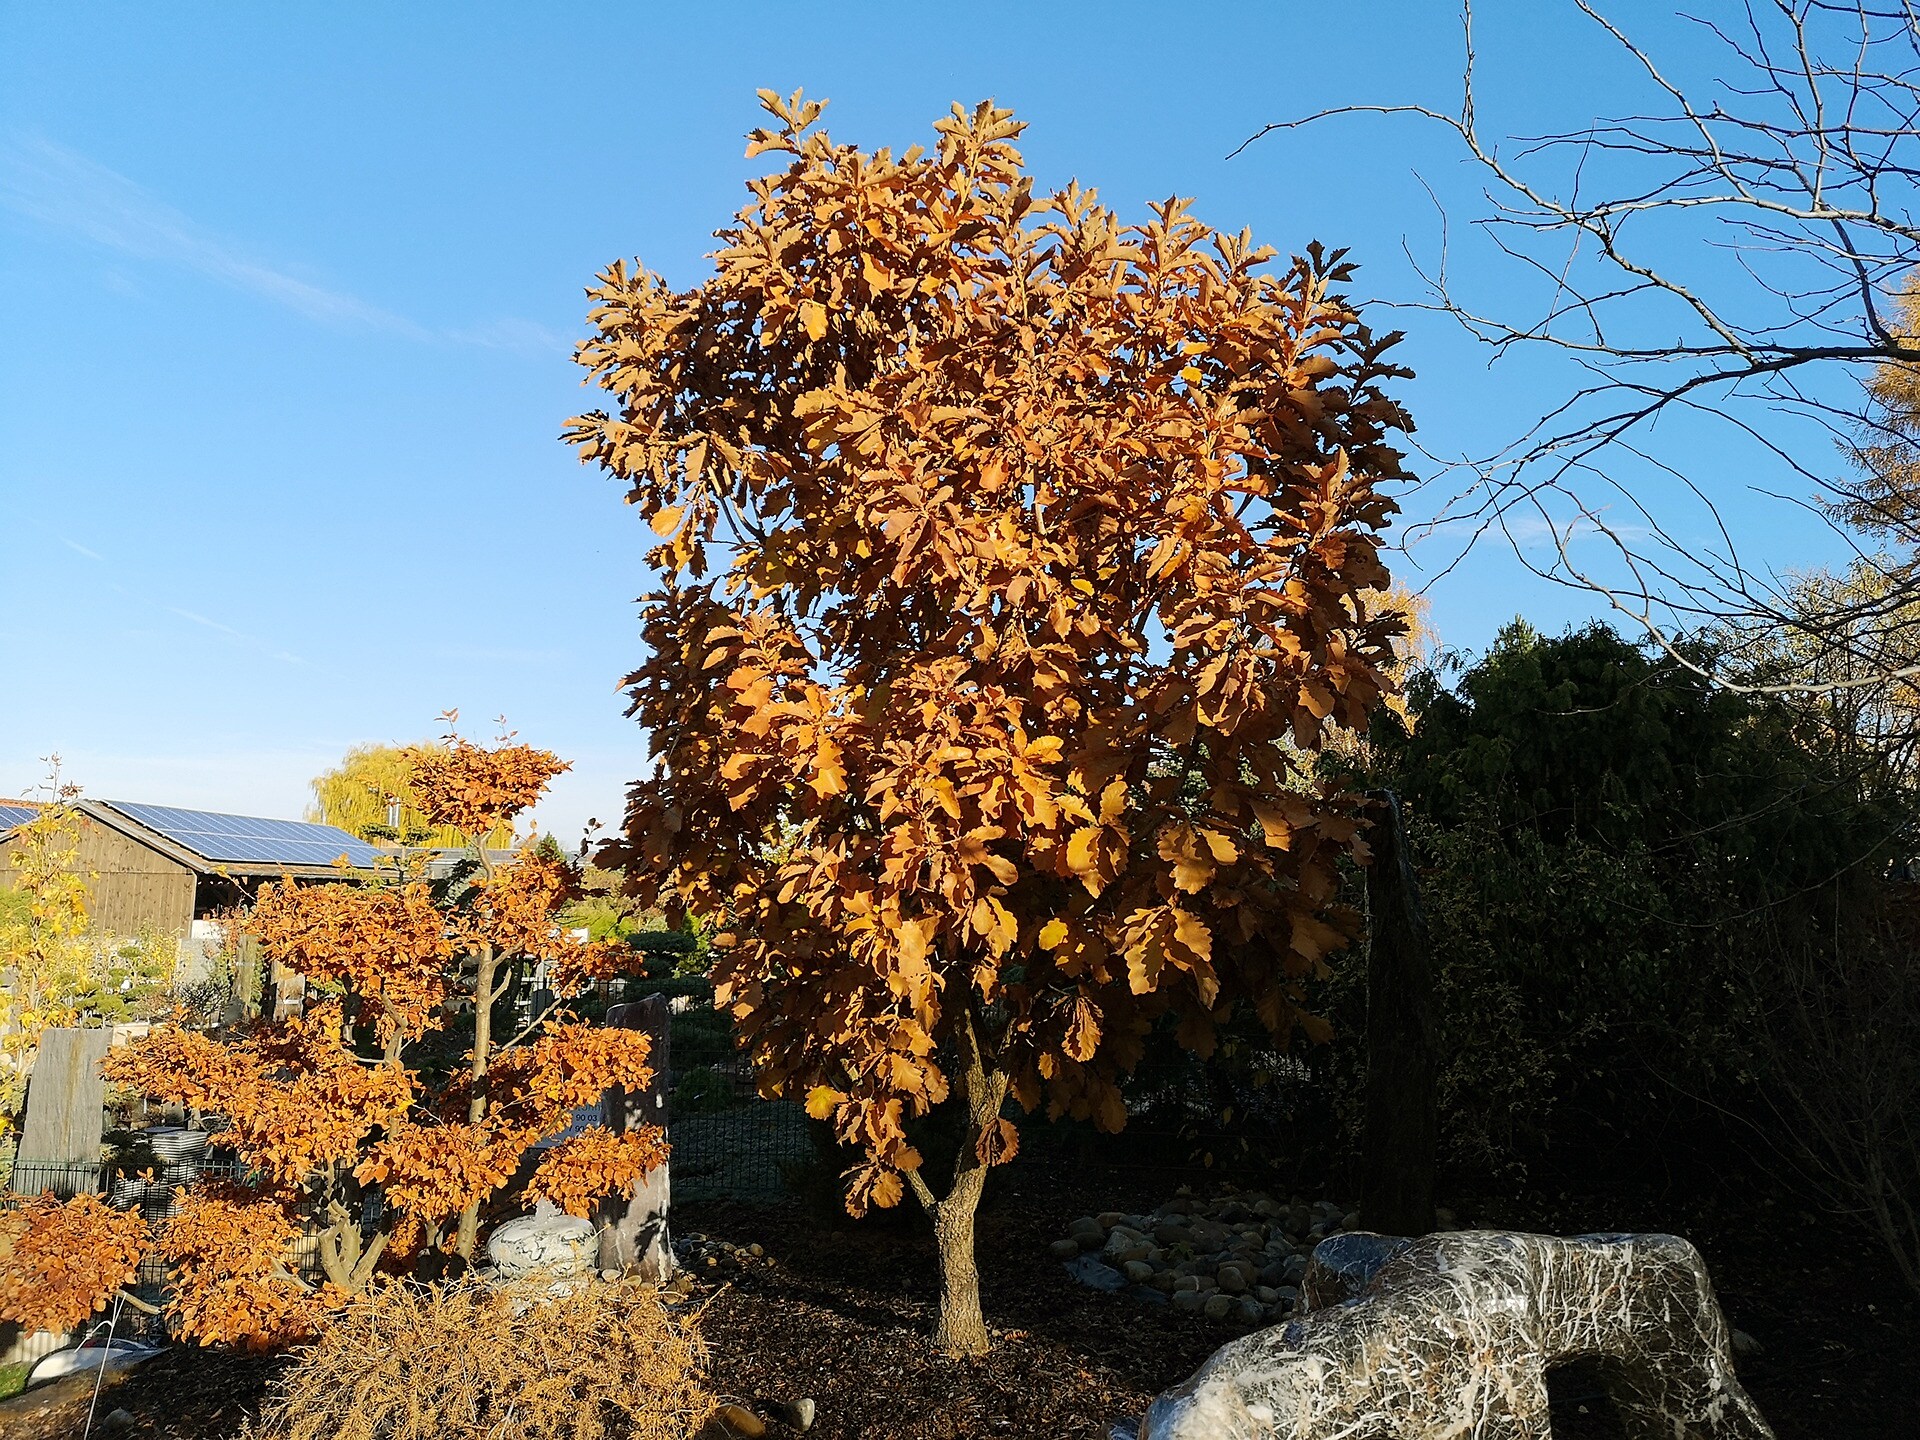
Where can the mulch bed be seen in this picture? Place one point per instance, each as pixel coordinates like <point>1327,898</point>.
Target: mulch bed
<point>838,1313</point>
<point>841,1317</point>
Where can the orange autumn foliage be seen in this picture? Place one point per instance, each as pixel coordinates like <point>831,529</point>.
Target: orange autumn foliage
<point>478,790</point>
<point>233,1276</point>
<point>1047,548</point>
<point>595,1162</point>
<point>343,1113</point>
<point>513,908</point>
<point>430,1170</point>
<point>389,948</point>
<point>295,1099</point>
<point>61,1261</point>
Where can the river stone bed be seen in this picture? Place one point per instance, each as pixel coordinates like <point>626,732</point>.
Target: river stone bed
<point>1237,1256</point>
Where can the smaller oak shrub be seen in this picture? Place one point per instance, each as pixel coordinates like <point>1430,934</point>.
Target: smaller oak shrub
<point>465,1360</point>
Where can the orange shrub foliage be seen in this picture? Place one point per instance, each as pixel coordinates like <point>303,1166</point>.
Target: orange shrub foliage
<point>512,909</point>
<point>331,1109</point>
<point>476,789</point>
<point>1050,543</point>
<point>568,1066</point>
<point>389,948</point>
<point>295,1099</point>
<point>595,1162</point>
<point>61,1261</point>
<point>428,1171</point>
<point>233,1272</point>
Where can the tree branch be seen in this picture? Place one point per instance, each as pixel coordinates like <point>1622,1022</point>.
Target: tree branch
<point>1783,217</point>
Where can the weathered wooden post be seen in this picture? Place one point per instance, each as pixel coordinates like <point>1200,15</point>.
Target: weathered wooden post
<point>634,1238</point>
<point>243,1003</point>
<point>65,1100</point>
<point>1400,1132</point>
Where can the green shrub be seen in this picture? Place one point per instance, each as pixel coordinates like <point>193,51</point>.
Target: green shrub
<point>1608,849</point>
<point>704,1090</point>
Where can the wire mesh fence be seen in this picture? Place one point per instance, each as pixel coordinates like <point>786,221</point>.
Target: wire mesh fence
<point>728,1141</point>
<point>63,1181</point>
<point>1247,1113</point>
<point>153,1191</point>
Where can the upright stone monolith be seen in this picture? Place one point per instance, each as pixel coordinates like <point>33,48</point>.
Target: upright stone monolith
<point>634,1238</point>
<point>65,1105</point>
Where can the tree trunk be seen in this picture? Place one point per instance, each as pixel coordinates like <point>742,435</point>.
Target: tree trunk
<point>962,1329</point>
<point>482,1054</point>
<point>1400,1136</point>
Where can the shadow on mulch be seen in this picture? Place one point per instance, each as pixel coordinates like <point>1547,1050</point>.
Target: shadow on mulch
<point>842,1313</point>
<point>839,1313</point>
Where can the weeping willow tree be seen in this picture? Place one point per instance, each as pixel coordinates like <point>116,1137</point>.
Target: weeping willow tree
<point>370,794</point>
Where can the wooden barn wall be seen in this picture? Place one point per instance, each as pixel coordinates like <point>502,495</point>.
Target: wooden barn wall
<point>135,885</point>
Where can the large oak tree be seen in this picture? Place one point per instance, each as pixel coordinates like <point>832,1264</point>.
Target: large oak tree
<point>1011,557</point>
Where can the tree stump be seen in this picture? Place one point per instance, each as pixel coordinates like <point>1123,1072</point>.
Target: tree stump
<point>1453,1335</point>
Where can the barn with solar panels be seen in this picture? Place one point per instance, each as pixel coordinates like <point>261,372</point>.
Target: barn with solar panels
<point>165,867</point>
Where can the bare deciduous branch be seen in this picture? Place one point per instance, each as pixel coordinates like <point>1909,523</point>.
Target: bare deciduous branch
<point>1740,251</point>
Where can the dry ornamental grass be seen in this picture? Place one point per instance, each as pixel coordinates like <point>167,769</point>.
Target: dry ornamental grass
<point>507,1362</point>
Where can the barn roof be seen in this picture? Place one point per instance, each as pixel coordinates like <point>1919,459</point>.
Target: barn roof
<point>210,841</point>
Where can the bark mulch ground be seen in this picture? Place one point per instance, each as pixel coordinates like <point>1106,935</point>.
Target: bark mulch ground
<point>838,1313</point>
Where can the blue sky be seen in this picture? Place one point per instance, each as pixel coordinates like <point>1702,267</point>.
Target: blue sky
<point>287,295</point>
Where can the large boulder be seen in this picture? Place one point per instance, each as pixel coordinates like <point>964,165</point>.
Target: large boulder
<point>1452,1335</point>
<point>563,1246</point>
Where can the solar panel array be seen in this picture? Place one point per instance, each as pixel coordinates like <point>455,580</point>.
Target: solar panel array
<point>12,815</point>
<point>248,840</point>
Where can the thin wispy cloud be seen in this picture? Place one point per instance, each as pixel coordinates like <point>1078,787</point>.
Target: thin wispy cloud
<point>63,190</point>
<point>203,620</point>
<point>76,546</point>
<point>524,337</point>
<point>252,641</point>
<point>501,655</point>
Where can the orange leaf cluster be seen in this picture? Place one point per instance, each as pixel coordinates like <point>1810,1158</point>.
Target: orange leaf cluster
<point>431,1167</point>
<point>389,948</point>
<point>1050,545</point>
<point>596,1162</point>
<point>477,789</point>
<point>60,1261</point>
<point>295,1099</point>
<point>540,1085</point>
<point>233,1272</point>
<point>512,909</point>
<point>430,1171</point>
